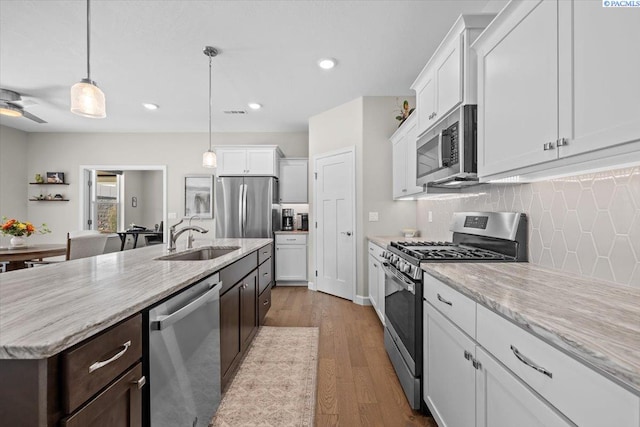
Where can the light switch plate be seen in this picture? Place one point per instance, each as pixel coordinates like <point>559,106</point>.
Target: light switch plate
<point>172,215</point>
<point>373,216</point>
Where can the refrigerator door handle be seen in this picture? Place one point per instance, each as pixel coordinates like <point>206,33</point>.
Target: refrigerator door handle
<point>244,209</point>
<point>240,210</point>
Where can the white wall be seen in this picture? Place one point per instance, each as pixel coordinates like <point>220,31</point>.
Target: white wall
<point>151,198</point>
<point>366,123</point>
<point>14,188</point>
<point>180,152</point>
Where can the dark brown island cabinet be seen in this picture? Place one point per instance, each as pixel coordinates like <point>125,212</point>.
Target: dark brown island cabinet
<point>244,288</point>
<point>99,381</point>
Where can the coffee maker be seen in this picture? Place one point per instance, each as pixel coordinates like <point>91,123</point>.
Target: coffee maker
<point>287,219</point>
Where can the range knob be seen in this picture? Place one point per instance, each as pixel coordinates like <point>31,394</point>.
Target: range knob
<point>405,267</point>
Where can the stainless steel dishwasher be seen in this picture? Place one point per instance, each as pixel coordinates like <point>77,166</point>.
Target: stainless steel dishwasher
<point>184,356</point>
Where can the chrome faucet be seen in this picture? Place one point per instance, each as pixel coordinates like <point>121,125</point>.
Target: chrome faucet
<point>173,234</point>
<point>190,236</point>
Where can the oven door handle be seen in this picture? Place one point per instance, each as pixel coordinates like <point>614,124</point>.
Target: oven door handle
<point>396,276</point>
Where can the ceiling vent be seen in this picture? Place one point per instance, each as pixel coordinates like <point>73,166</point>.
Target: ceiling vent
<point>235,112</point>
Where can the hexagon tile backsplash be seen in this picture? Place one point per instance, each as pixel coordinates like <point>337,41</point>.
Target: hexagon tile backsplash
<point>586,224</point>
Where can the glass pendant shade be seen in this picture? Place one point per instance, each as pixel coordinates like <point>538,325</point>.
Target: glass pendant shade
<point>88,100</point>
<point>209,159</point>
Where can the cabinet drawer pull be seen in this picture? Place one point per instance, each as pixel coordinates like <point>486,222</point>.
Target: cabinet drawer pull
<point>444,300</point>
<point>548,146</point>
<point>140,383</point>
<point>266,302</point>
<point>521,357</point>
<point>265,274</point>
<point>291,240</point>
<point>117,356</point>
<point>265,252</point>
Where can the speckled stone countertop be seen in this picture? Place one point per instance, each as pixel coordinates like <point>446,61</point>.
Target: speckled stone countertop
<point>44,310</point>
<point>594,321</point>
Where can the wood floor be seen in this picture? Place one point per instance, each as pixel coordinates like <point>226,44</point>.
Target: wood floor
<point>357,385</point>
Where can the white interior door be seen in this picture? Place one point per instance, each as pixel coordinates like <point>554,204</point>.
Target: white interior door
<point>334,205</point>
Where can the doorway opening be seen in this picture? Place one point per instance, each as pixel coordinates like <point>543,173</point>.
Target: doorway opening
<point>114,198</point>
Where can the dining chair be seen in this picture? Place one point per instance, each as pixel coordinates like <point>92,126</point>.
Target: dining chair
<point>3,266</point>
<point>80,244</point>
<point>154,239</point>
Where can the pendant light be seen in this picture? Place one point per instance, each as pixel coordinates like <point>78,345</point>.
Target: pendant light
<point>209,157</point>
<point>86,98</point>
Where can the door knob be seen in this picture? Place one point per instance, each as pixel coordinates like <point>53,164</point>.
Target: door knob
<point>348,233</point>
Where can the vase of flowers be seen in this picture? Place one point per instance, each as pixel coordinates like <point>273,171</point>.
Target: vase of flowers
<point>19,231</point>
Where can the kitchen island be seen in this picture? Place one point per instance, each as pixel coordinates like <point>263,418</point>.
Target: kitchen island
<point>55,310</point>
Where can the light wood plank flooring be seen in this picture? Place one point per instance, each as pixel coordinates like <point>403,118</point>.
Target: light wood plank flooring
<point>357,385</point>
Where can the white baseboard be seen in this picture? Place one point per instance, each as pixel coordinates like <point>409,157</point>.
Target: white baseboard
<point>312,286</point>
<point>360,300</point>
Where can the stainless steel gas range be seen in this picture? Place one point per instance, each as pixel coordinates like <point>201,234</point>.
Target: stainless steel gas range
<point>477,237</point>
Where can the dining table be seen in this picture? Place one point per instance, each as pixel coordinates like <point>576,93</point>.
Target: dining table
<point>16,256</point>
<point>135,233</point>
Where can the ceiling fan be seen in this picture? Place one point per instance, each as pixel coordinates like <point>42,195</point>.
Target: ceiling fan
<point>12,105</point>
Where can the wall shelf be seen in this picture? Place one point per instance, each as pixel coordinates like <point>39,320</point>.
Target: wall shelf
<point>48,200</point>
<point>48,183</point>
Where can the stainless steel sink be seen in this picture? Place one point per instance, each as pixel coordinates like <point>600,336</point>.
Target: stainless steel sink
<point>200,254</point>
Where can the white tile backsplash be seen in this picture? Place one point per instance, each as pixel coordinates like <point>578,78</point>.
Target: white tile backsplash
<point>587,224</point>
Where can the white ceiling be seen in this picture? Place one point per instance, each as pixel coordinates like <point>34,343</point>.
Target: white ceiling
<point>151,51</point>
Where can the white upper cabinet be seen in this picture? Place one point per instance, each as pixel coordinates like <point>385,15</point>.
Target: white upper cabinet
<point>599,79</point>
<point>404,159</point>
<point>248,160</point>
<point>448,79</point>
<point>519,87</point>
<point>557,90</point>
<point>293,180</point>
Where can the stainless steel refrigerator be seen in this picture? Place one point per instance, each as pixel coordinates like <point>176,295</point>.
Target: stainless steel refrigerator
<point>246,206</point>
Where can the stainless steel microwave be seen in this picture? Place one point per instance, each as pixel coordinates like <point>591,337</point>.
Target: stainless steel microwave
<point>447,154</point>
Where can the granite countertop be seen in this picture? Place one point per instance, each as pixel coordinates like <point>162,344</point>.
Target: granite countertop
<point>44,310</point>
<point>291,232</point>
<point>385,240</point>
<point>596,322</point>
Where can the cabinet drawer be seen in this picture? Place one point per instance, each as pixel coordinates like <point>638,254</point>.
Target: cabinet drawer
<point>233,273</point>
<point>264,304</point>
<point>95,363</point>
<point>291,239</point>
<point>264,253</point>
<point>457,307</point>
<point>119,405</point>
<point>376,251</point>
<point>265,276</point>
<point>581,394</point>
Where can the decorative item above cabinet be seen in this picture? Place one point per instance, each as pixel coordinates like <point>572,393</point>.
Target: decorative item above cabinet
<point>259,160</point>
<point>550,102</point>
<point>449,78</point>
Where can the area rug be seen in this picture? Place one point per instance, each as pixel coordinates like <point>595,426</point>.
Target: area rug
<point>276,382</point>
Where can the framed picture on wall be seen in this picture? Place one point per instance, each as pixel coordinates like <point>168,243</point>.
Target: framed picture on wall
<point>198,196</point>
<point>55,177</point>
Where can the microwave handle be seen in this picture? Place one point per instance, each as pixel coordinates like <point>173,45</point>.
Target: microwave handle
<point>445,149</point>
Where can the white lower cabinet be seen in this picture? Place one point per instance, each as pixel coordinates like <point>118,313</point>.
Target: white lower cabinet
<point>506,376</point>
<point>504,401</point>
<point>449,386</point>
<point>376,280</point>
<point>291,257</point>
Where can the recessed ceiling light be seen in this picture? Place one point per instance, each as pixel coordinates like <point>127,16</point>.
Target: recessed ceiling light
<point>255,106</point>
<point>327,63</point>
<point>150,106</point>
